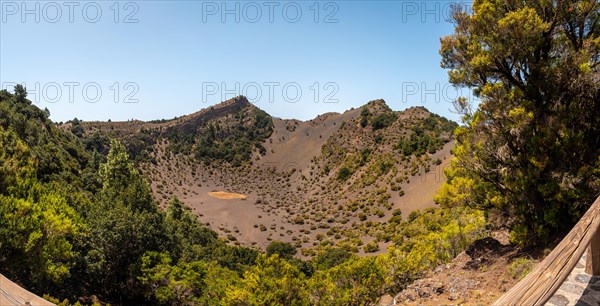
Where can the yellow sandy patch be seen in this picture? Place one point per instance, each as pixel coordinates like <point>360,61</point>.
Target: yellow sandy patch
<point>226,195</point>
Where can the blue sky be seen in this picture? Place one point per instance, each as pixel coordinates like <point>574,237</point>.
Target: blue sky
<point>159,59</point>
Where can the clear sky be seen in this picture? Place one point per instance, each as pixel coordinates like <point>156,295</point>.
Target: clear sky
<point>99,60</point>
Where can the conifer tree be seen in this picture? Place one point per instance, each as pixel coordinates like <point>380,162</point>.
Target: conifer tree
<point>530,152</point>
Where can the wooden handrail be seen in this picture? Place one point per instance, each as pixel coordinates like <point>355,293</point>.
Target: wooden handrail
<point>12,294</point>
<point>541,284</point>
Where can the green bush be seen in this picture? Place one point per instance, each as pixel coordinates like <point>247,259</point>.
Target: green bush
<point>383,120</point>
<point>331,257</point>
<point>285,250</point>
<point>343,174</point>
<point>520,267</point>
<point>371,247</point>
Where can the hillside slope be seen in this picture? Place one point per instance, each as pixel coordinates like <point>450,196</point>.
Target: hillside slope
<point>333,180</point>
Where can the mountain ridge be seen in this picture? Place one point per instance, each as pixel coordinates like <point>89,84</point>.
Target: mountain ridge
<point>302,181</point>
<point>243,101</point>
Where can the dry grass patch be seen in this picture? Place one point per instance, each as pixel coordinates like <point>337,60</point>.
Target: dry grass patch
<point>226,195</point>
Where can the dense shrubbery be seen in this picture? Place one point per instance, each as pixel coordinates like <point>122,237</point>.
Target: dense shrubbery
<point>284,250</point>
<point>73,226</point>
<point>428,239</point>
<point>333,277</point>
<point>102,233</point>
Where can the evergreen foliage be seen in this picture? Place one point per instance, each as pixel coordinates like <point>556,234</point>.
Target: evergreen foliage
<point>75,223</point>
<point>529,154</point>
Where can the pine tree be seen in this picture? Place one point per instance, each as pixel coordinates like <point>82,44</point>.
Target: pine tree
<point>530,152</point>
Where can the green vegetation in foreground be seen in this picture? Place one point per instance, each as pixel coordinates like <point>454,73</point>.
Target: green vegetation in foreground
<point>75,224</point>
<point>529,155</point>
<point>74,227</point>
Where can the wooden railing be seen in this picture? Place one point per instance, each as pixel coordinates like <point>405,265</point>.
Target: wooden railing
<point>541,284</point>
<point>12,294</point>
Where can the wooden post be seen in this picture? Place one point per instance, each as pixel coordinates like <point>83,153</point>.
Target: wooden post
<point>592,265</point>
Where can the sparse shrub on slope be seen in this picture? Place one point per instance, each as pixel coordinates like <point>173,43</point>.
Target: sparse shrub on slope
<point>520,267</point>
<point>220,140</point>
<point>381,117</point>
<point>380,148</point>
<point>344,174</point>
